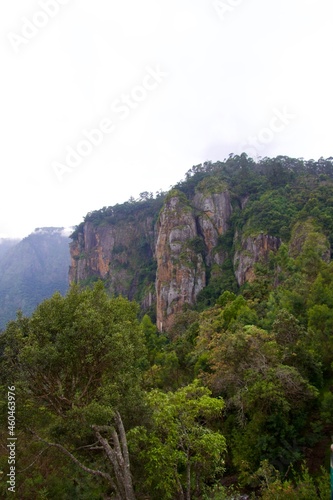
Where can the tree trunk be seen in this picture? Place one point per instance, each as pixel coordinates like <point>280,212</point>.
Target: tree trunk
<point>126,462</point>
<point>118,456</point>
<point>94,472</point>
<point>180,488</point>
<point>188,479</point>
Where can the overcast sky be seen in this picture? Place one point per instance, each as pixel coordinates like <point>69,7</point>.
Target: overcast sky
<point>104,99</point>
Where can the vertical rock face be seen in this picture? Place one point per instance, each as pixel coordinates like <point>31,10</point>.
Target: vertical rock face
<point>180,266</point>
<point>214,214</point>
<point>121,254</point>
<point>252,250</point>
<point>163,263</point>
<point>90,254</point>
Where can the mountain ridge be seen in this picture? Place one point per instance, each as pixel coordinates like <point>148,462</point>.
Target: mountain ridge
<point>31,270</point>
<point>205,236</point>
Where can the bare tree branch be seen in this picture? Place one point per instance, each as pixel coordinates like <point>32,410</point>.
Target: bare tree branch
<point>111,454</point>
<point>32,463</point>
<point>118,455</point>
<point>94,472</point>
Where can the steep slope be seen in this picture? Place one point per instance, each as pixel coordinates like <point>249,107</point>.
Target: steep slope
<point>154,251</point>
<point>208,234</point>
<point>251,250</point>
<point>180,266</point>
<point>117,244</point>
<point>32,271</point>
<point>6,244</point>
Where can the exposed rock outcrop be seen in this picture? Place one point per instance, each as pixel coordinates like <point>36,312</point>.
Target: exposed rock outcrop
<point>180,267</point>
<point>164,264</point>
<point>208,234</point>
<point>91,253</point>
<point>252,249</point>
<point>213,219</point>
<point>121,254</point>
<point>159,264</point>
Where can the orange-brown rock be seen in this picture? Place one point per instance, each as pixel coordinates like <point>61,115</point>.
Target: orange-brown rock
<point>214,214</point>
<point>118,254</point>
<point>180,269</point>
<point>183,242</point>
<point>252,249</point>
<point>91,253</point>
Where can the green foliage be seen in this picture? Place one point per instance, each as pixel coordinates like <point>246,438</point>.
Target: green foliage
<point>174,365</point>
<point>176,193</point>
<point>79,340</point>
<point>263,378</point>
<point>130,210</point>
<point>271,214</point>
<point>221,278</point>
<point>211,185</point>
<point>197,245</point>
<point>181,452</point>
<point>301,487</point>
<point>76,363</point>
<point>154,340</point>
<point>78,230</point>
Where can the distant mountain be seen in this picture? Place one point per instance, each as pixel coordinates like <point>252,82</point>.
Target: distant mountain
<point>31,270</point>
<point>6,244</point>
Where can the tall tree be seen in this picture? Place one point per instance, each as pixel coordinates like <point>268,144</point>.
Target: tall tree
<point>76,364</point>
<point>181,451</point>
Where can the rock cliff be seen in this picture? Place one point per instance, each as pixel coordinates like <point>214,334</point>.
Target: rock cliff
<point>250,250</point>
<point>163,260</point>
<point>187,246</point>
<point>180,266</point>
<point>120,252</point>
<point>158,257</point>
<point>213,219</point>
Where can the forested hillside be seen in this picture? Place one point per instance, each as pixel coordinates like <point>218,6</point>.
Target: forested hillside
<point>208,234</point>
<point>6,244</point>
<point>31,270</point>
<point>217,383</point>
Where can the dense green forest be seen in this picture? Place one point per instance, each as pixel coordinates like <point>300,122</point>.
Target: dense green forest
<point>235,401</point>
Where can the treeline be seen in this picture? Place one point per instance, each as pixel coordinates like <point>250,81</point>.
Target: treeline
<point>146,205</point>
<point>299,188</point>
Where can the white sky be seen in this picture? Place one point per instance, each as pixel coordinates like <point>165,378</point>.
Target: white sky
<point>229,76</point>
